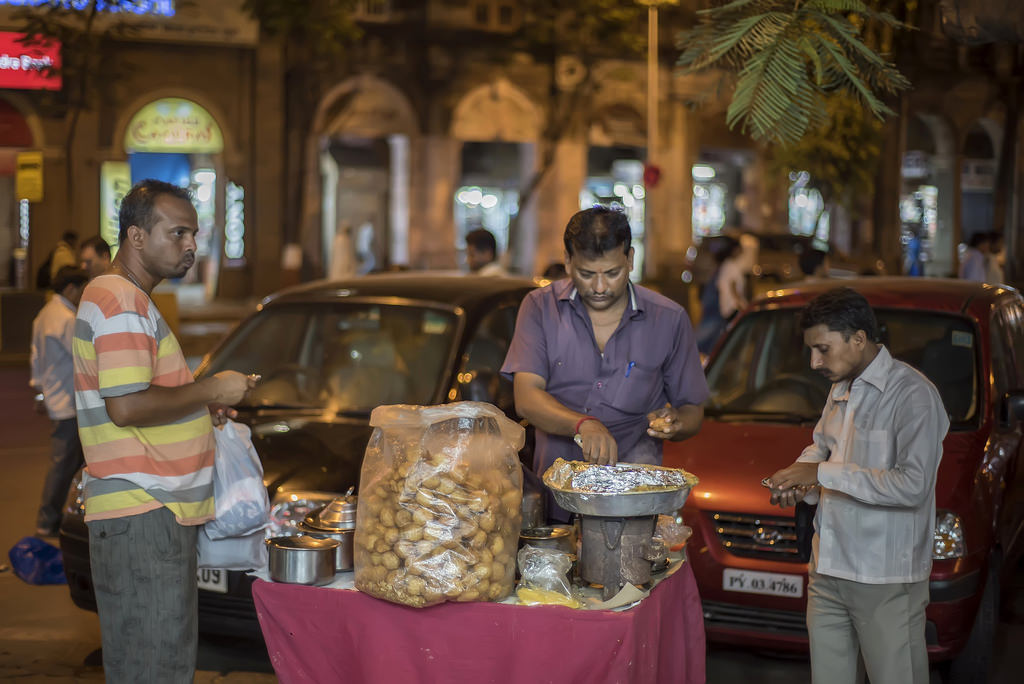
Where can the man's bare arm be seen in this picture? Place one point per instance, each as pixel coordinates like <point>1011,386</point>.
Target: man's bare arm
<point>161,405</point>
<point>534,403</point>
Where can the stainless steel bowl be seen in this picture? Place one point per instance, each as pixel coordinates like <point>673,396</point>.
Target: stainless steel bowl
<point>624,505</point>
<point>302,559</point>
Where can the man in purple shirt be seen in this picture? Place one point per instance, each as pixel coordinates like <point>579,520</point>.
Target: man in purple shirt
<point>604,369</point>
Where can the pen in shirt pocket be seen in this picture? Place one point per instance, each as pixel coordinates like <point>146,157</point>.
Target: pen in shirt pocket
<point>629,367</point>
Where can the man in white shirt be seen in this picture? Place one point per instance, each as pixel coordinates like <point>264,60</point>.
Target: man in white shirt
<point>482,253</point>
<point>53,374</point>
<point>872,469</point>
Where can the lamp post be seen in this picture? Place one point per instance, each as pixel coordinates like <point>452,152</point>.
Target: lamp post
<point>652,172</point>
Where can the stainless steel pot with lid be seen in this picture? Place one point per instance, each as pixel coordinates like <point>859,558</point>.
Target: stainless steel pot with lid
<point>336,520</point>
<point>302,559</point>
<point>339,514</point>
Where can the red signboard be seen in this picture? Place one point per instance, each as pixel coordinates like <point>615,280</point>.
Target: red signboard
<point>28,67</point>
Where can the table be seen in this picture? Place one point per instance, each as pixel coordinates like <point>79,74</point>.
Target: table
<point>314,634</point>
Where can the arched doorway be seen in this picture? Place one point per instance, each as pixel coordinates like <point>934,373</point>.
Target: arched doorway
<point>177,140</point>
<point>977,177</point>
<point>15,136</point>
<point>364,127</point>
<point>498,127</point>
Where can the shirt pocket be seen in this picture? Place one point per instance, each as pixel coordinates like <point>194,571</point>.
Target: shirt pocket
<point>637,392</point>
<point>876,450</point>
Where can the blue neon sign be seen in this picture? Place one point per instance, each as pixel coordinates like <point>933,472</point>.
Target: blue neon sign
<point>163,8</point>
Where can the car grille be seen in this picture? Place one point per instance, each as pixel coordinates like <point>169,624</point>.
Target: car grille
<point>746,618</point>
<point>754,536</point>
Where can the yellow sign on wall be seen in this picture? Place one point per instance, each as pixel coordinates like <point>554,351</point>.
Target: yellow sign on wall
<point>115,182</point>
<point>28,180</point>
<point>173,124</point>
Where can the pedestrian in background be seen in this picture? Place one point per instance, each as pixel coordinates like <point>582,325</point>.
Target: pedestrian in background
<point>995,259</point>
<point>147,431</point>
<point>723,294</point>
<point>871,468</point>
<point>973,266</point>
<point>63,254</point>
<point>94,256</point>
<point>53,375</point>
<point>482,253</point>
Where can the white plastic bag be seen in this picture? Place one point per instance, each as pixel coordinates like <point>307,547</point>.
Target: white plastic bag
<point>240,497</point>
<point>232,553</point>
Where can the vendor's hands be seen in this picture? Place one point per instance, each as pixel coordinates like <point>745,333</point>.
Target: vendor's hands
<point>597,443</point>
<point>664,423</point>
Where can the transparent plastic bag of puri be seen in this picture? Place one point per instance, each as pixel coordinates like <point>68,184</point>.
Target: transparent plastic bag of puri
<point>242,504</point>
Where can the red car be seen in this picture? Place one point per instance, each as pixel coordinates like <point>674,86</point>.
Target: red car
<point>968,338</point>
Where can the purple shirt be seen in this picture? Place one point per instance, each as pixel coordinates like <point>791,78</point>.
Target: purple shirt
<point>651,359</point>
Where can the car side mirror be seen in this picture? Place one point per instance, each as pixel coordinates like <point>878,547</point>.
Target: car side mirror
<point>1012,408</point>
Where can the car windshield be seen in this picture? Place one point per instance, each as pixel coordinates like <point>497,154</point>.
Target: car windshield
<point>763,369</point>
<point>347,357</point>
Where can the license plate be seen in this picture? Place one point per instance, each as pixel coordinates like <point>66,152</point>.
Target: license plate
<point>212,580</point>
<point>769,583</point>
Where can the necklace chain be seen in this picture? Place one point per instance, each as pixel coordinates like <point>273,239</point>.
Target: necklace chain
<point>128,275</point>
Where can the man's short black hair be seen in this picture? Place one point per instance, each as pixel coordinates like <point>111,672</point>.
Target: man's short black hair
<point>137,205</point>
<point>98,244</point>
<point>841,310</point>
<point>482,240</point>
<point>70,237</point>
<point>597,230</point>
<point>979,238</point>
<point>69,275</point>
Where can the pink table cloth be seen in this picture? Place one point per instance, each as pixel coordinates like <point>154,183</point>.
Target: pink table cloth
<point>336,637</point>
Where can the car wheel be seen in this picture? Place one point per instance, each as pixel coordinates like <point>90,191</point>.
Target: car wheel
<point>974,662</point>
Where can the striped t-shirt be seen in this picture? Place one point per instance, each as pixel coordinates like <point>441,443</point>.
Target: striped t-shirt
<point>122,345</point>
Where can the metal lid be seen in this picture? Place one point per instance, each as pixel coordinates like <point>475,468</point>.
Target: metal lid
<point>304,542</point>
<point>340,514</point>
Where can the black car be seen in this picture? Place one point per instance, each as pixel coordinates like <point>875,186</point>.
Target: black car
<point>329,352</point>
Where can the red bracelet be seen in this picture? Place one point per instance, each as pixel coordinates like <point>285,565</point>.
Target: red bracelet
<point>580,422</point>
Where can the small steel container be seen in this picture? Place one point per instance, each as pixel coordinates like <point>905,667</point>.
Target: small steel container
<point>302,559</point>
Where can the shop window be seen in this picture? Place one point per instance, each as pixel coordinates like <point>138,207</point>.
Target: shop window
<point>482,14</point>
<point>505,15</point>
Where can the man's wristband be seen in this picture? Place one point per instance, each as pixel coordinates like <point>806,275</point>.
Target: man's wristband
<point>580,422</point>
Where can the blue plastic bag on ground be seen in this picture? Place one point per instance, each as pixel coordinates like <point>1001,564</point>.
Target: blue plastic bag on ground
<point>37,562</point>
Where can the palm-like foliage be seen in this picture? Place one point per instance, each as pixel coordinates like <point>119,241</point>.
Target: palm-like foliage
<point>787,56</point>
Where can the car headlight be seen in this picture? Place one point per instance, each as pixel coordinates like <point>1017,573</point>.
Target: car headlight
<point>289,508</point>
<point>949,536</point>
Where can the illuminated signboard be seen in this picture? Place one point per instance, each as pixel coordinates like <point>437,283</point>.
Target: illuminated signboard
<point>163,8</point>
<point>28,66</point>
<point>173,125</point>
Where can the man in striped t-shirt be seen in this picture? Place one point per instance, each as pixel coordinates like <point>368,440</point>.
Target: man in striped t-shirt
<point>147,433</point>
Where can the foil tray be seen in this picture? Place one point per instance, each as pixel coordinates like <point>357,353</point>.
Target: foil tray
<point>625,505</point>
<point>625,490</point>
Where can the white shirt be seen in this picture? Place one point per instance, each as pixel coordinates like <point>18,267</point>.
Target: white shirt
<point>53,371</point>
<point>492,268</point>
<point>730,275</point>
<point>879,441</point>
